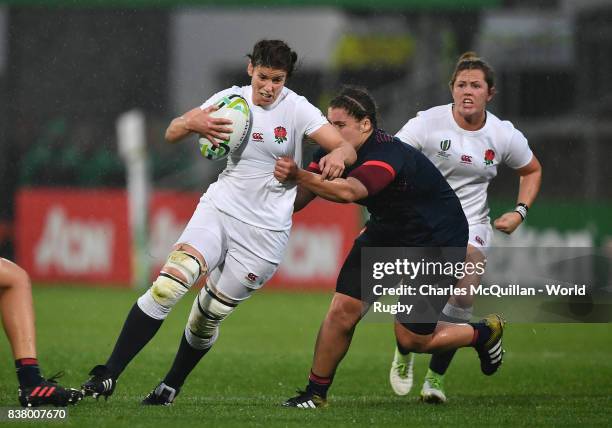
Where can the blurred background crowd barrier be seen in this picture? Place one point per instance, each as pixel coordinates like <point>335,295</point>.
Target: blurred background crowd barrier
<point>69,70</point>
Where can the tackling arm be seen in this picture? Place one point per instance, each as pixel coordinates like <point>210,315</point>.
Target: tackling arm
<point>341,153</point>
<point>303,198</point>
<point>339,190</point>
<point>368,179</point>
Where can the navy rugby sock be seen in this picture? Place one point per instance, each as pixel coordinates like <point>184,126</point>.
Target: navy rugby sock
<point>319,385</point>
<point>28,372</point>
<point>138,330</point>
<point>185,361</point>
<point>439,362</point>
<point>401,349</point>
<point>481,333</point>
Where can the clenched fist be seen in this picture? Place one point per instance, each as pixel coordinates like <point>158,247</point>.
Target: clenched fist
<point>285,169</point>
<point>508,222</point>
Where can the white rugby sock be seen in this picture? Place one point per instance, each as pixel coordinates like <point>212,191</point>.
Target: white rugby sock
<point>149,306</point>
<point>456,314</point>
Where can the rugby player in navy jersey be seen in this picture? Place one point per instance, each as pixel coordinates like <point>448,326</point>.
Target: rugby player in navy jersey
<point>17,316</point>
<point>410,205</point>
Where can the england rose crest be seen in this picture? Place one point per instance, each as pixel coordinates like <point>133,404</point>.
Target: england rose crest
<point>280,134</point>
<point>488,157</point>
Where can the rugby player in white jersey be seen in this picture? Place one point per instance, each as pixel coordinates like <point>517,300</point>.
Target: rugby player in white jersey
<point>467,143</point>
<point>240,228</point>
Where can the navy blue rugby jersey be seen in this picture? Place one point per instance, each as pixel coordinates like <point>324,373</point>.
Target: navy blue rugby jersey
<point>408,198</point>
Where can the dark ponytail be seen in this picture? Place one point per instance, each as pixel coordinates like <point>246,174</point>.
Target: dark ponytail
<point>357,102</point>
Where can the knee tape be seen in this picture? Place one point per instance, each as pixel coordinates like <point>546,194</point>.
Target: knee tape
<point>168,288</point>
<point>185,263</point>
<point>207,312</point>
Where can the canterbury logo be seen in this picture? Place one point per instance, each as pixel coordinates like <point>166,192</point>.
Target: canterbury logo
<point>257,136</point>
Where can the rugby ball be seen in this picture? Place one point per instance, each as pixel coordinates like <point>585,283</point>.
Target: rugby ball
<point>235,108</point>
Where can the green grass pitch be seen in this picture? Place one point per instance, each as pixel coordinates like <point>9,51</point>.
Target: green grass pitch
<point>557,375</point>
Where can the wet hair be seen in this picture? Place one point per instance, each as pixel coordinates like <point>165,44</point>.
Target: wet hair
<point>357,102</point>
<point>274,54</point>
<point>471,61</point>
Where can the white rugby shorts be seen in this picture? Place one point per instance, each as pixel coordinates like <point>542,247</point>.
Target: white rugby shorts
<point>251,254</point>
<point>480,237</point>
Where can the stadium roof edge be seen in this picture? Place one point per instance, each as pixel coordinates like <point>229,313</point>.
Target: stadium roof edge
<point>365,5</point>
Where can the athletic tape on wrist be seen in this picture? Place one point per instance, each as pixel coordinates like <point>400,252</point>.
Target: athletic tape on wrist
<point>522,210</point>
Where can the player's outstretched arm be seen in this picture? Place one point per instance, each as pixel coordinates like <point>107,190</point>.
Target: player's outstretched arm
<point>529,186</point>
<point>339,190</point>
<point>200,122</point>
<point>343,190</point>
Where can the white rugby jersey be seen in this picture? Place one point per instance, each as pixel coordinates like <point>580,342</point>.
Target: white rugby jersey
<point>467,159</point>
<point>247,189</point>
